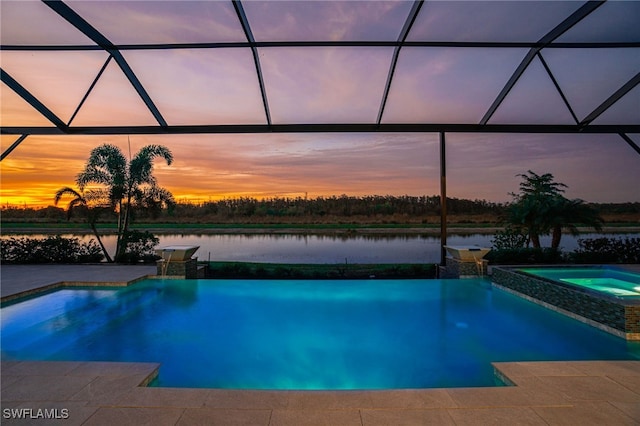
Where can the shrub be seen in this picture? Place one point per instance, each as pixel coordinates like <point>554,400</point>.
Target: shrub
<point>593,250</point>
<point>53,249</point>
<point>525,255</point>
<point>139,246</point>
<point>508,239</point>
<point>607,250</point>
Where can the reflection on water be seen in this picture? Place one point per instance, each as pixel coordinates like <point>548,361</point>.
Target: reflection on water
<point>299,248</point>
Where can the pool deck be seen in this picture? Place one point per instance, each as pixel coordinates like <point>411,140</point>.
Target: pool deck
<point>19,280</point>
<point>104,393</point>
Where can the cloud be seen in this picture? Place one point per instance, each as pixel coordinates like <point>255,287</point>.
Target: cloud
<point>446,85</point>
<point>321,164</point>
<point>597,168</point>
<point>324,85</point>
<point>505,20</point>
<point>130,22</point>
<point>192,86</point>
<point>326,20</point>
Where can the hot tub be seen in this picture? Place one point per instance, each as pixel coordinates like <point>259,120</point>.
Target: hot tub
<point>467,253</point>
<point>605,297</point>
<point>176,253</point>
<point>608,280</point>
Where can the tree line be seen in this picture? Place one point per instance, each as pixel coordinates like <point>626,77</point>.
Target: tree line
<point>334,206</point>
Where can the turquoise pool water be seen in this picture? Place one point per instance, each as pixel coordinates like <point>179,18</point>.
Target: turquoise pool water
<point>611,281</point>
<point>375,334</point>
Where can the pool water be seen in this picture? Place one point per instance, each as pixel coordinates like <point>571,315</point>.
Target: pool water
<point>261,334</point>
<point>606,280</point>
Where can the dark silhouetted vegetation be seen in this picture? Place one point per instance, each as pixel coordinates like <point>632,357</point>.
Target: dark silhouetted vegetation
<point>244,270</point>
<point>590,251</point>
<point>123,188</point>
<point>540,209</point>
<point>607,250</point>
<point>56,249</point>
<point>139,247</point>
<point>90,208</point>
<point>52,249</point>
<point>525,256</point>
<point>509,239</point>
<point>336,209</point>
<point>374,209</point>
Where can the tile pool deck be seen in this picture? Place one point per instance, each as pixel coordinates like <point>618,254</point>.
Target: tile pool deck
<point>100,393</point>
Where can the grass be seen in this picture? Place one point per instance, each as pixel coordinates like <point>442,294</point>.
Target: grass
<point>349,229</point>
<point>77,225</point>
<point>235,228</point>
<point>245,270</point>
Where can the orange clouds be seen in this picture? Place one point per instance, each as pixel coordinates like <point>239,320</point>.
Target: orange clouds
<point>216,166</point>
<point>598,168</point>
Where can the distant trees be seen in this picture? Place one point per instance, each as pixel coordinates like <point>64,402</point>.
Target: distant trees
<point>327,209</point>
<point>342,206</point>
<point>369,209</point>
<point>109,181</point>
<point>540,208</point>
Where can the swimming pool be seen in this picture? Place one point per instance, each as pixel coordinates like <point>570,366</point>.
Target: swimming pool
<point>252,334</point>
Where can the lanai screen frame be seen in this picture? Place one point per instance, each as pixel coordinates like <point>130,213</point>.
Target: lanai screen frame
<point>534,51</point>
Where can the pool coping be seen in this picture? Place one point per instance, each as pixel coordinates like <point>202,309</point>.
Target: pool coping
<point>106,393</point>
<point>20,281</point>
<point>99,393</point>
<point>69,284</point>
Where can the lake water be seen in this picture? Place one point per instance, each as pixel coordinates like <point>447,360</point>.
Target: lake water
<point>297,248</point>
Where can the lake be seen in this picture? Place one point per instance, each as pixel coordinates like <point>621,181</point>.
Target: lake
<point>314,248</point>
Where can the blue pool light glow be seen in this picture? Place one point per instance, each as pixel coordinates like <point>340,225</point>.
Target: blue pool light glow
<point>261,334</point>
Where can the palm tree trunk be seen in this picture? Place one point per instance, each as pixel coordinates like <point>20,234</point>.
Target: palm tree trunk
<point>535,240</point>
<point>556,236</point>
<point>119,234</point>
<point>121,246</point>
<point>104,249</point>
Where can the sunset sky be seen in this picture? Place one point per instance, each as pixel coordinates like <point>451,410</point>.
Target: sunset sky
<point>325,85</point>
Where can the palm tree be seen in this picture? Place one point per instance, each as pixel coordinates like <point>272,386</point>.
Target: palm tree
<point>523,217</point>
<point>81,202</point>
<point>567,214</point>
<point>534,185</point>
<point>541,208</point>
<point>533,205</point>
<point>125,181</point>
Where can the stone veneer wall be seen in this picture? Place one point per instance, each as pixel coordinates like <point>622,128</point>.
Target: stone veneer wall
<point>456,268</point>
<point>618,316</point>
<point>187,269</point>
<point>632,320</point>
